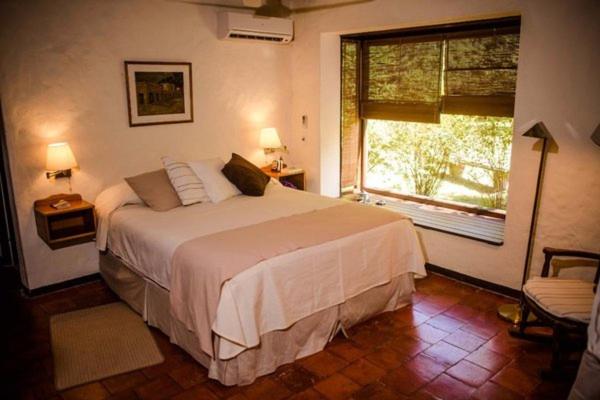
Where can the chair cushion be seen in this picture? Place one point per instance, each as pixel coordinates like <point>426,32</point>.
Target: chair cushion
<point>564,298</point>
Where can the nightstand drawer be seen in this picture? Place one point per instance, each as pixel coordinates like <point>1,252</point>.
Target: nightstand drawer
<point>66,227</point>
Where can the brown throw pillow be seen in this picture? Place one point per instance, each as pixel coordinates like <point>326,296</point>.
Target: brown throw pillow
<point>247,177</point>
<point>155,189</point>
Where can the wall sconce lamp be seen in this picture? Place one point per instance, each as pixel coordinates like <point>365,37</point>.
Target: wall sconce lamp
<point>270,142</point>
<point>59,160</point>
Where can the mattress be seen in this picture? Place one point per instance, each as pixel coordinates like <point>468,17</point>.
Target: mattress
<point>146,240</point>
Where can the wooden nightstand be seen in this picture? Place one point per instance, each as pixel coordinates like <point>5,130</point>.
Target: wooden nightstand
<point>295,176</point>
<point>66,227</point>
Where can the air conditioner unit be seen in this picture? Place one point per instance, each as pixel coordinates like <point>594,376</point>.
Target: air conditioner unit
<point>252,27</point>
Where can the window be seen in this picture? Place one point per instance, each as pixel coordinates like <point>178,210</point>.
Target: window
<point>427,113</point>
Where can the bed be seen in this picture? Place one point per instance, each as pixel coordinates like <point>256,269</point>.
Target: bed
<point>252,283</point>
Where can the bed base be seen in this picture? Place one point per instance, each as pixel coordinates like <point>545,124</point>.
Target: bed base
<point>307,336</point>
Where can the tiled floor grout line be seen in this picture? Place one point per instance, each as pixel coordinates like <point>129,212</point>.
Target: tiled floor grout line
<point>456,347</point>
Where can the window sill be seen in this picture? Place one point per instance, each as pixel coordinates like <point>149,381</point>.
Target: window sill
<point>459,223</point>
<point>443,204</point>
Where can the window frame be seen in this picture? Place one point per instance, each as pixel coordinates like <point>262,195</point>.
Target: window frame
<point>453,30</point>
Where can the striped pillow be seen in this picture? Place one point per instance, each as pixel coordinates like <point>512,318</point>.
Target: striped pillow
<point>188,186</point>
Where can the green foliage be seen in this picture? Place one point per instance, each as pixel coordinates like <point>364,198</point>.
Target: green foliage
<point>485,143</point>
<point>411,150</point>
<point>468,152</point>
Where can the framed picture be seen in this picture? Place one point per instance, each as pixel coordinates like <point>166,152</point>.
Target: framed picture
<point>159,92</point>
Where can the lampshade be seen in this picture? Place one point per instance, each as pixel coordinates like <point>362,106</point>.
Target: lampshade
<point>539,131</point>
<point>60,157</point>
<point>269,139</point>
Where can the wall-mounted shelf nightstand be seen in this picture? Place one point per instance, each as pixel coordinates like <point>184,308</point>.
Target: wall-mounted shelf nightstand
<point>295,176</point>
<point>65,227</point>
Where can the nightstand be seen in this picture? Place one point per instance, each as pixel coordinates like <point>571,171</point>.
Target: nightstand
<point>295,176</point>
<point>65,227</point>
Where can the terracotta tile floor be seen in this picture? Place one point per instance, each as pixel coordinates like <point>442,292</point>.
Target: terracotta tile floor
<point>448,345</point>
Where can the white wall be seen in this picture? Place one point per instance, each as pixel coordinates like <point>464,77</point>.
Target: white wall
<point>558,83</point>
<point>62,78</point>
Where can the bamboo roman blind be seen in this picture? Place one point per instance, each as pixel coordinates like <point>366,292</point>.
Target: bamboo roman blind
<point>402,80</point>
<point>481,74</point>
<point>350,116</point>
<point>414,77</point>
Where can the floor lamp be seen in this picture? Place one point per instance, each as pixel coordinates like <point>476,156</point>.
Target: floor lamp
<point>512,312</point>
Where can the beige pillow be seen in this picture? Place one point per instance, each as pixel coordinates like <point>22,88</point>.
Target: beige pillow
<point>155,189</point>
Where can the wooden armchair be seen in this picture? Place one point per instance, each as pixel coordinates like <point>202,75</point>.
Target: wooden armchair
<point>565,305</point>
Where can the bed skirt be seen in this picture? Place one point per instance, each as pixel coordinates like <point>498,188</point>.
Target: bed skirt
<point>307,336</point>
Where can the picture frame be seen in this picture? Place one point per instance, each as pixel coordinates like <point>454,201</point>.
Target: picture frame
<point>159,92</point>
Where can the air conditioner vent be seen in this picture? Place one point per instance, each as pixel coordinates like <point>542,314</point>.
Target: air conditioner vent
<point>255,37</point>
<point>236,26</point>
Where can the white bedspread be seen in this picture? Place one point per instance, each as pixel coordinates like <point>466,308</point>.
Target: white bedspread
<point>146,240</point>
<point>278,292</point>
<point>295,284</point>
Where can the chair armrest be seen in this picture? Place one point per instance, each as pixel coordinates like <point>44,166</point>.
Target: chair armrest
<point>550,252</point>
<point>570,253</point>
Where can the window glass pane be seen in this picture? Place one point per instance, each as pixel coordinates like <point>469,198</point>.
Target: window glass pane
<point>463,159</point>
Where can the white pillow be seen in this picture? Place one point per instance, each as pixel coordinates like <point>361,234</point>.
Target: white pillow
<point>108,201</point>
<point>217,186</point>
<point>116,196</point>
<point>189,188</point>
